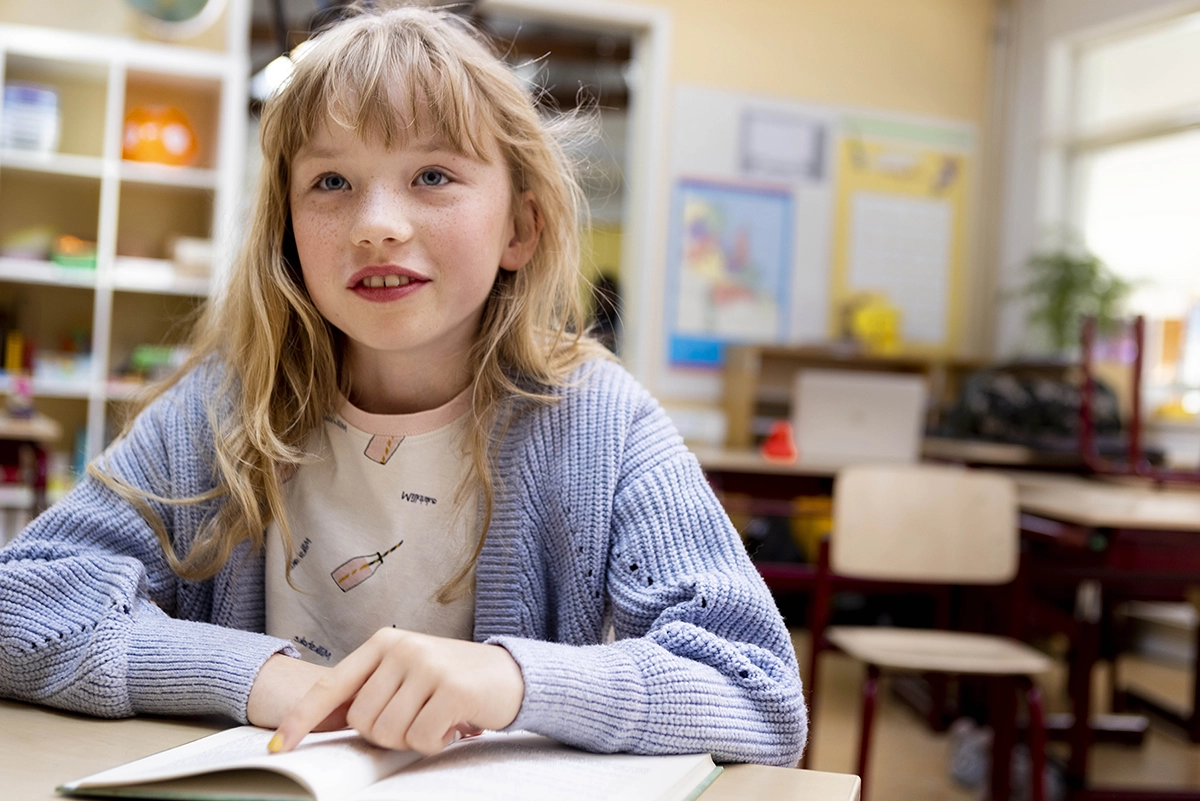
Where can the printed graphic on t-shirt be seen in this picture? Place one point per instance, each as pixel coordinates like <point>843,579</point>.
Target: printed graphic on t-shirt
<point>319,650</point>
<point>381,447</point>
<point>303,552</point>
<point>352,572</point>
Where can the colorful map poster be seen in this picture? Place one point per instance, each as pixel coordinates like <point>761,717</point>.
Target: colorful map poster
<point>730,263</point>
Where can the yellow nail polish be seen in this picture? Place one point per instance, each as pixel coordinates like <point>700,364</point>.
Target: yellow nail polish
<point>276,744</point>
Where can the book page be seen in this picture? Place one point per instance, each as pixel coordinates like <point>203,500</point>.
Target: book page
<point>528,767</point>
<point>332,765</point>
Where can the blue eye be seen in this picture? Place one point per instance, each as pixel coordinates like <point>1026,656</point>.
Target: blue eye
<point>432,178</point>
<point>332,182</point>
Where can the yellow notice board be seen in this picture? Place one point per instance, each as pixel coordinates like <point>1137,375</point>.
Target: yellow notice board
<point>900,223</point>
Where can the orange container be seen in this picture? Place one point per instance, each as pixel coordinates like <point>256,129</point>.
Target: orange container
<point>160,134</point>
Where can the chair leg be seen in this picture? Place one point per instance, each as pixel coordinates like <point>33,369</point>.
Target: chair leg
<point>870,690</point>
<point>1002,712</point>
<point>818,620</point>
<point>1037,743</point>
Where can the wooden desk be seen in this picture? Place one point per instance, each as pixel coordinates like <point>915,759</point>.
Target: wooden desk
<point>938,449</point>
<point>42,748</point>
<point>1089,544</point>
<point>1108,502</point>
<point>750,461</point>
<point>1096,540</point>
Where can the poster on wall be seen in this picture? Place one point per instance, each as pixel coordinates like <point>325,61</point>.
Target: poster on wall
<point>899,224</point>
<point>776,145</point>
<point>730,264</point>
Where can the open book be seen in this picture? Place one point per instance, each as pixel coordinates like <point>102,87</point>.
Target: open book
<point>341,766</point>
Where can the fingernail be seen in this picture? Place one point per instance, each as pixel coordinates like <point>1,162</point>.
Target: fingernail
<point>276,744</point>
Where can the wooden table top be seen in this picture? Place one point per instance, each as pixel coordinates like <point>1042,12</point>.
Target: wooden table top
<point>1097,502</point>
<point>42,748</point>
<point>1104,503</point>
<point>751,461</point>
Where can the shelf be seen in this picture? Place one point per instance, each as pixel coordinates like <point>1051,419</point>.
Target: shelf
<point>16,496</point>
<point>31,271</point>
<point>102,69</point>
<point>93,167</point>
<point>64,202</point>
<point>166,175</point>
<point>156,276</point>
<point>52,163</point>
<point>88,48</point>
<point>38,428</point>
<point>51,388</point>
<point>122,389</point>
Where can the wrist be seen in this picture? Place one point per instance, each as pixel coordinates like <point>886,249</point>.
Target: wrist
<point>281,682</point>
<point>513,686</point>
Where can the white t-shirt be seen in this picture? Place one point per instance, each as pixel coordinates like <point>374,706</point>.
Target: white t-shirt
<point>376,532</point>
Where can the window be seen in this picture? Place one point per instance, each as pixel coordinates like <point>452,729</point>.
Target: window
<point>1132,166</point>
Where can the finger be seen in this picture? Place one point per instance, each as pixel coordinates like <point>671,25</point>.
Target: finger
<point>331,691</point>
<point>468,730</point>
<point>434,726</point>
<point>391,728</point>
<point>336,719</point>
<point>375,694</point>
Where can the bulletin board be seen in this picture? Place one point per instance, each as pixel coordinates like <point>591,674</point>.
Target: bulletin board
<point>870,191</point>
<point>900,222</point>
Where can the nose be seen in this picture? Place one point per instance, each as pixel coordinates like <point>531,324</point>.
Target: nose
<point>382,216</point>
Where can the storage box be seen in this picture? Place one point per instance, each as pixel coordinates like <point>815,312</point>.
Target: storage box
<point>31,120</point>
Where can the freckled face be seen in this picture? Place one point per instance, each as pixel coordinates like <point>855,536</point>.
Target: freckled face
<point>399,248</point>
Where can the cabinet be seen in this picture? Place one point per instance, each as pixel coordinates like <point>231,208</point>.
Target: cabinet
<point>130,209</point>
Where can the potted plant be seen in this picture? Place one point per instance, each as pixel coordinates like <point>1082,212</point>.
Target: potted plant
<point>1067,285</point>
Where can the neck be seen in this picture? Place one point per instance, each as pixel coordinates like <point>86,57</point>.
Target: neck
<point>390,382</point>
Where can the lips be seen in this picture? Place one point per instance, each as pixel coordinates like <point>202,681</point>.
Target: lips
<point>384,276</point>
<point>385,283</point>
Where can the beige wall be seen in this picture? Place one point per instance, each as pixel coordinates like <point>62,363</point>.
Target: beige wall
<point>922,57</point>
<point>915,56</point>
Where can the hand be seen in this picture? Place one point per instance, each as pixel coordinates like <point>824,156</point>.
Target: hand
<point>281,682</point>
<point>412,691</point>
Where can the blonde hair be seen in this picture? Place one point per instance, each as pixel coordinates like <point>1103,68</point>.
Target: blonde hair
<point>392,74</point>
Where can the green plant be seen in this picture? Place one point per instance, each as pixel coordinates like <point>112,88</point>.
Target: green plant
<point>1068,285</point>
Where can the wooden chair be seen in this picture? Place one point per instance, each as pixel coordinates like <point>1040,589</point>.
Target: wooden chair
<point>930,524</point>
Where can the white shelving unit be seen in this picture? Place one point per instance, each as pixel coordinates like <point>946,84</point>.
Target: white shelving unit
<point>128,208</point>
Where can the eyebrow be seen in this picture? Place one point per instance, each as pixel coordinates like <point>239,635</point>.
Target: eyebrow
<point>309,152</point>
<point>429,146</point>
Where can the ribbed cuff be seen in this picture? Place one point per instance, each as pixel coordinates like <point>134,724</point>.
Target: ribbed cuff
<point>180,667</point>
<point>591,696</point>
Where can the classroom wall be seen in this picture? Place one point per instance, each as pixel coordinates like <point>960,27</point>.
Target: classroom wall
<point>1040,30</point>
<point>920,57</point>
<point>915,56</point>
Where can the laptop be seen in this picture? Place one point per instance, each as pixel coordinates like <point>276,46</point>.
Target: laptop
<point>847,416</point>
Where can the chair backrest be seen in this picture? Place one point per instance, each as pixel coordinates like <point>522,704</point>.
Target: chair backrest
<point>924,523</point>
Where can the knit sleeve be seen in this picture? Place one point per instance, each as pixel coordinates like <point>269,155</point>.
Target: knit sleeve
<point>92,618</point>
<point>702,660</point>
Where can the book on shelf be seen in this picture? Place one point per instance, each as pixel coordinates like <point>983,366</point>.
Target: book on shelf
<point>342,766</point>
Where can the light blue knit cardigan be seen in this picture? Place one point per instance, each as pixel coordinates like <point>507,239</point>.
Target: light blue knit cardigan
<point>602,516</point>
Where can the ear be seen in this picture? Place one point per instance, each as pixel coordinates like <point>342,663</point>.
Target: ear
<point>526,232</point>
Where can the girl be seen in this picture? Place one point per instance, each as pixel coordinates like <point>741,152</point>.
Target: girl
<point>390,456</point>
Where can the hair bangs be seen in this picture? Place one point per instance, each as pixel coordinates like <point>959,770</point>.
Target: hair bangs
<point>394,84</point>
